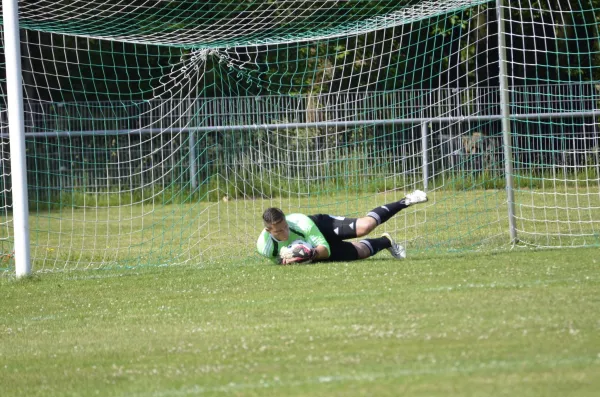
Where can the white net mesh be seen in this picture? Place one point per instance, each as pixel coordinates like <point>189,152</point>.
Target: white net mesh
<point>157,132</point>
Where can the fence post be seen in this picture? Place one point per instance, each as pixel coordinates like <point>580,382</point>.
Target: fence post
<point>506,127</point>
<point>425,148</point>
<point>192,152</point>
<point>16,126</point>
<point>192,161</point>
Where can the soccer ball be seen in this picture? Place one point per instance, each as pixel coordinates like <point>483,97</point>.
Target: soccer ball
<point>296,249</point>
<point>288,248</point>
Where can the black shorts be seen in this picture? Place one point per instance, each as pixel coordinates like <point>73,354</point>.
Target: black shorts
<point>336,229</point>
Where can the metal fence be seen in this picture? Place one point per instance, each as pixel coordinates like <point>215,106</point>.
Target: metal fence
<point>129,145</point>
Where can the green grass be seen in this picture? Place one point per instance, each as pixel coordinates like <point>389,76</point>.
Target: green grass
<point>521,323</point>
<point>201,232</point>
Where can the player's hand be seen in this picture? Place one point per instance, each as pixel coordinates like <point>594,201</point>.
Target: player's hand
<point>290,261</point>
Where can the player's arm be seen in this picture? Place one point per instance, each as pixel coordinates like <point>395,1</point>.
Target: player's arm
<point>316,238</point>
<point>322,253</point>
<point>264,246</point>
<point>318,248</point>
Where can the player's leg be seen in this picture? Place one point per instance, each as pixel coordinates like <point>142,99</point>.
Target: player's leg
<point>374,245</point>
<point>346,251</point>
<point>395,249</point>
<point>365,225</point>
<point>335,228</point>
<point>381,214</point>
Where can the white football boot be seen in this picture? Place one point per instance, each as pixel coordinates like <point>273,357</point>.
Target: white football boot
<point>396,250</point>
<point>416,197</point>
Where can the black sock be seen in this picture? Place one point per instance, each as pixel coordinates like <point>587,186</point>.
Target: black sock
<point>377,244</point>
<point>385,212</point>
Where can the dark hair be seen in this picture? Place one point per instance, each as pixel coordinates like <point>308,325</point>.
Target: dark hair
<point>273,215</point>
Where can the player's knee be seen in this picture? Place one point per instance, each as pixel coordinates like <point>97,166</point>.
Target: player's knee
<point>362,250</point>
<point>365,225</point>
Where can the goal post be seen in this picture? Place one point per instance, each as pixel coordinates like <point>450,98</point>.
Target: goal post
<point>156,133</point>
<point>14,102</point>
<point>506,124</point>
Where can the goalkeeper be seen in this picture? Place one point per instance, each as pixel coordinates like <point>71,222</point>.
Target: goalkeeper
<point>327,234</point>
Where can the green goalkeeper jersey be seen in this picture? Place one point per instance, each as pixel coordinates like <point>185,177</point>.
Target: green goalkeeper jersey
<point>301,228</point>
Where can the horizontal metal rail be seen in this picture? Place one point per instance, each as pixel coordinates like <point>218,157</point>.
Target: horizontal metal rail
<point>316,124</point>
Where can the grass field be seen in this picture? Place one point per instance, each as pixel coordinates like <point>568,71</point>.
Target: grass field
<point>520,323</point>
<point>149,234</point>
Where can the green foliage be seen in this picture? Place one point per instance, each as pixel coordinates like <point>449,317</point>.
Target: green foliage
<point>452,44</point>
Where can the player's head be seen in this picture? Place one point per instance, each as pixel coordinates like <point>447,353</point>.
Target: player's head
<point>275,224</point>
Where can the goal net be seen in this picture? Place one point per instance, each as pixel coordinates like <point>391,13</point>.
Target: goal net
<point>157,132</point>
